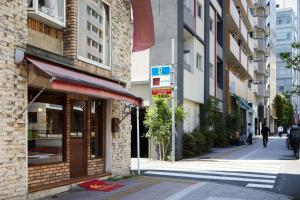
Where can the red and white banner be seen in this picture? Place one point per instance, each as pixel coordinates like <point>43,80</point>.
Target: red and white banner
<point>143,35</point>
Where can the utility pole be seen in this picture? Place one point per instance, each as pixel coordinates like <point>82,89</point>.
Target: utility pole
<point>173,89</point>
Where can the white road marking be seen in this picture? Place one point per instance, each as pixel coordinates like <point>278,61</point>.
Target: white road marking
<point>260,186</point>
<point>258,169</point>
<point>196,170</point>
<point>186,191</point>
<point>272,181</point>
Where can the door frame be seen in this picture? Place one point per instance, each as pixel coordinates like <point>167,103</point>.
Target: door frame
<point>84,138</point>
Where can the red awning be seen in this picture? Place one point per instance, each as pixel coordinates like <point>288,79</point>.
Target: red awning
<point>143,34</point>
<point>71,81</point>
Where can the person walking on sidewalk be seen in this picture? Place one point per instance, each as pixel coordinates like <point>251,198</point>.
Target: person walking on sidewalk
<point>250,133</point>
<point>265,133</point>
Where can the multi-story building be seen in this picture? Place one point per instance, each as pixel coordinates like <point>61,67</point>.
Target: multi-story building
<point>286,30</point>
<point>197,29</point>
<point>65,71</point>
<point>250,61</point>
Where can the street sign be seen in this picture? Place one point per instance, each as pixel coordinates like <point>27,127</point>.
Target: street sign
<point>161,76</point>
<point>161,92</point>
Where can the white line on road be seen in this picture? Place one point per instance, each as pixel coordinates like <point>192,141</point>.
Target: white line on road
<point>227,178</point>
<point>260,186</point>
<point>197,170</point>
<point>185,191</point>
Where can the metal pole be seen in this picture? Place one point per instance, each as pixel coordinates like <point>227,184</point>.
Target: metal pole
<point>173,100</point>
<point>138,138</point>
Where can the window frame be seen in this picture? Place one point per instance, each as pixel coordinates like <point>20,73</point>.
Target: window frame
<point>105,41</point>
<point>64,134</point>
<point>199,61</point>
<point>44,18</point>
<point>199,11</point>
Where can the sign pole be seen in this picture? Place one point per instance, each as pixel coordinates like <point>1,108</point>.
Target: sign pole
<point>138,138</point>
<point>173,100</point>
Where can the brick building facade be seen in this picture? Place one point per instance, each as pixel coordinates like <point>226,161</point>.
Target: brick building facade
<point>77,112</point>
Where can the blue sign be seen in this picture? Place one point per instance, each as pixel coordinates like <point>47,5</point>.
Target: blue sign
<point>161,70</point>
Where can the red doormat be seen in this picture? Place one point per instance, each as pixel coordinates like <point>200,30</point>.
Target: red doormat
<point>98,185</point>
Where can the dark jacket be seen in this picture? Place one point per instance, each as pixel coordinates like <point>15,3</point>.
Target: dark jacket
<point>265,131</point>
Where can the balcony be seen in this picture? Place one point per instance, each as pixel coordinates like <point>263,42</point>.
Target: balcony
<point>252,20</point>
<point>262,69</point>
<point>262,91</point>
<point>251,70</point>
<point>244,60</point>
<point>261,7</point>
<point>237,59</point>
<point>234,48</point>
<point>233,16</point>
<point>244,31</point>
<point>189,18</point>
<point>252,45</point>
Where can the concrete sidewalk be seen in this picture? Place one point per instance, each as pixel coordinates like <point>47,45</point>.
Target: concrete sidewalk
<point>150,188</point>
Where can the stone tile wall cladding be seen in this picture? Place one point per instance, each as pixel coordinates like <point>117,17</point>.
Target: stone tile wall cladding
<point>13,92</point>
<point>13,98</point>
<point>120,70</point>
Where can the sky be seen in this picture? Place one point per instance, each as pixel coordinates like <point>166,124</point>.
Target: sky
<point>287,4</point>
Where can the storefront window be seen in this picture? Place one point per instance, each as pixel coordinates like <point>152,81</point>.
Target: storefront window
<point>45,129</point>
<point>97,129</point>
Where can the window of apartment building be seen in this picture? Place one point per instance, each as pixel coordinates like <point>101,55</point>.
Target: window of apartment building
<point>281,88</point>
<point>199,62</point>
<point>211,25</point>
<point>45,128</point>
<point>211,70</point>
<point>199,10</point>
<point>288,36</point>
<point>98,32</point>
<point>49,12</point>
<point>89,25</point>
<point>187,62</point>
<point>97,129</point>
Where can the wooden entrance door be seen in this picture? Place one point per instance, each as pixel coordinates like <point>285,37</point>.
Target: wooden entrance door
<point>78,159</point>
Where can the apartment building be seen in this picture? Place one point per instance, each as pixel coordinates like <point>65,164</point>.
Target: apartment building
<point>287,34</point>
<point>249,61</point>
<point>198,57</point>
<point>65,76</point>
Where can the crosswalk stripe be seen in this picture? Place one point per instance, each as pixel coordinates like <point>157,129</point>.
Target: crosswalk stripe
<point>260,186</point>
<point>220,168</point>
<point>196,170</point>
<point>232,166</point>
<point>228,178</point>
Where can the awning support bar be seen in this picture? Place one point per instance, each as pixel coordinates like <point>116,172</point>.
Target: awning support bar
<point>33,100</point>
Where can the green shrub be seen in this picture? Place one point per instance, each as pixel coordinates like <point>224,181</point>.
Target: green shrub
<point>197,143</point>
<point>221,140</point>
<point>189,145</point>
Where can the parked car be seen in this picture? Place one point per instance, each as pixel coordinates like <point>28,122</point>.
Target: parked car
<point>294,140</point>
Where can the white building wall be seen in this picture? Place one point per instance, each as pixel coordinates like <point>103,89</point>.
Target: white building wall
<point>212,58</point>
<point>194,80</point>
<point>192,120</point>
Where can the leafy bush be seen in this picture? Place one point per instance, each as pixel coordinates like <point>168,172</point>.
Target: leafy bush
<point>197,143</point>
<point>221,139</point>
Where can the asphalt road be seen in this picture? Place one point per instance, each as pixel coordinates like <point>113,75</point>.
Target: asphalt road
<point>252,166</point>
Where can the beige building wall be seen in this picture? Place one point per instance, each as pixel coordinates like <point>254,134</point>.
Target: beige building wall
<point>13,92</point>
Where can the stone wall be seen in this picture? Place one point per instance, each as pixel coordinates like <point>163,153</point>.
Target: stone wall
<point>13,98</point>
<point>121,64</point>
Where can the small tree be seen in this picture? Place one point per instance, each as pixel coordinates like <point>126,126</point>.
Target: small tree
<point>292,62</point>
<point>158,121</point>
<point>284,110</point>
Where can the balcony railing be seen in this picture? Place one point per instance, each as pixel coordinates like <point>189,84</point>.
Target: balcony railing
<point>244,60</point>
<point>244,30</point>
<point>234,47</point>
<point>234,13</point>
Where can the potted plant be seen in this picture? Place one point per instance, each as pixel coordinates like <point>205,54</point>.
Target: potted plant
<point>32,136</point>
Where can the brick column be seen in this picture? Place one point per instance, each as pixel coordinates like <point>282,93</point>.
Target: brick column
<point>13,98</point>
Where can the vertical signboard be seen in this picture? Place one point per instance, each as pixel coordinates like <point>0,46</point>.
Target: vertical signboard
<point>161,80</point>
